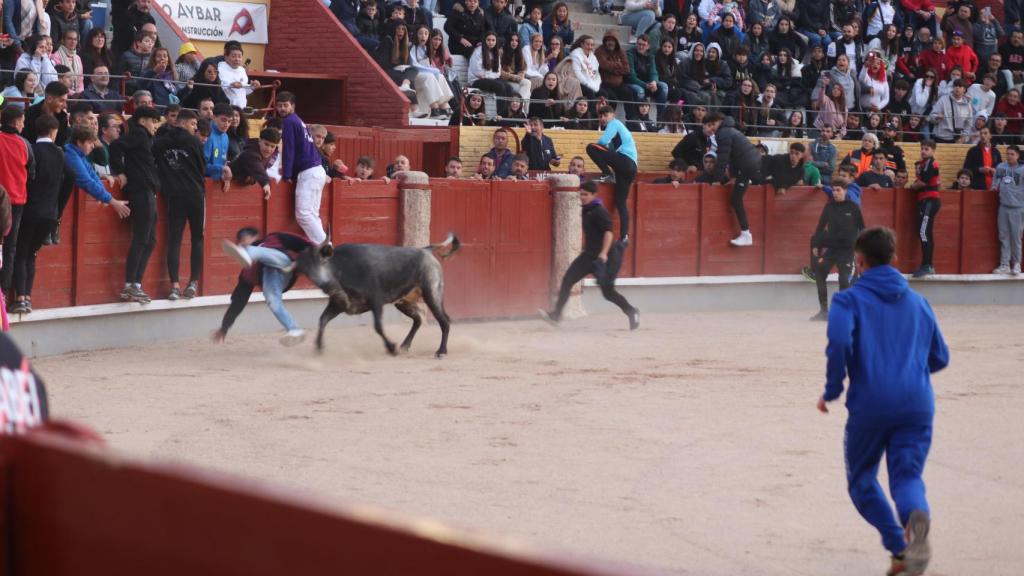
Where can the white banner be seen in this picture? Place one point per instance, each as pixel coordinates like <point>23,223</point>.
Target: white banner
<point>219,21</point>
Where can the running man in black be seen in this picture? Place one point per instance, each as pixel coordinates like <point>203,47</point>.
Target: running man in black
<point>601,257</point>
<point>832,245</point>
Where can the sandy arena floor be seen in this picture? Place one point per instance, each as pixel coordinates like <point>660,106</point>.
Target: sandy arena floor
<point>691,446</point>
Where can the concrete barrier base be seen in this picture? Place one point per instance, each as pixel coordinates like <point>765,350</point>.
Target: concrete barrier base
<point>60,330</point>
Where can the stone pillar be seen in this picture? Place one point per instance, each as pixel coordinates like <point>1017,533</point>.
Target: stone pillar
<point>567,223</point>
<point>415,218</point>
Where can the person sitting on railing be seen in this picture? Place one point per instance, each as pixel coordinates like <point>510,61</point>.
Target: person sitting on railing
<point>206,86</point>
<point>132,62</point>
<point>37,58</point>
<point>128,22</point>
<point>100,94</point>
<point>24,86</point>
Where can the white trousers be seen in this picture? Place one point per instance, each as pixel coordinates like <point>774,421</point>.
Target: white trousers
<point>309,189</point>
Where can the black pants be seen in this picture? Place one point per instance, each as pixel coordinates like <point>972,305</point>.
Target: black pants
<point>588,93</point>
<point>744,176</point>
<point>927,209</point>
<point>621,93</point>
<point>842,260</point>
<point>604,272</point>
<point>180,209</point>
<point>30,239</point>
<point>143,219</point>
<point>11,248</point>
<point>625,172</point>
<point>499,88</point>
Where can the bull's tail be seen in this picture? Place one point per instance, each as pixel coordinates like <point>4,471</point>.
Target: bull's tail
<point>447,248</point>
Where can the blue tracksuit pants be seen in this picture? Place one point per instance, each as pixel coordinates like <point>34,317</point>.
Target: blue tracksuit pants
<point>906,449</point>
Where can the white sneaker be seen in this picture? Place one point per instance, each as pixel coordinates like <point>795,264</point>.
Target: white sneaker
<point>1003,269</point>
<point>237,252</point>
<point>632,39</point>
<point>1016,269</point>
<point>293,337</point>
<point>744,239</point>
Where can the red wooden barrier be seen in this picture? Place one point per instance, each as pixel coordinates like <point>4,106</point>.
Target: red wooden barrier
<point>69,509</point>
<point>667,230</point>
<point>718,225</point>
<point>790,221</point>
<point>504,266</point>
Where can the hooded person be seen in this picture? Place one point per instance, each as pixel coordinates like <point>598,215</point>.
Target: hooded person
<point>738,157</point>
<point>613,64</point>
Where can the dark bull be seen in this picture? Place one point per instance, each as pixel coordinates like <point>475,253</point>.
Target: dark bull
<point>361,277</point>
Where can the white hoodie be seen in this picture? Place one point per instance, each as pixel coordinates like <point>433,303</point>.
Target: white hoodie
<point>586,69</point>
<point>476,67</point>
<point>873,93</point>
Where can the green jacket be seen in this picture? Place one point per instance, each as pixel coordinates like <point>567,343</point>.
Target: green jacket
<point>652,69</point>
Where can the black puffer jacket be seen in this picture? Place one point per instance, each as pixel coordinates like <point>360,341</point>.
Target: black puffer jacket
<point>734,150</point>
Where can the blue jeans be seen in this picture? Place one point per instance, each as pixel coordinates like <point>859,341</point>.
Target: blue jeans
<point>660,96</point>
<point>906,449</point>
<point>641,20</point>
<point>814,39</point>
<point>274,282</point>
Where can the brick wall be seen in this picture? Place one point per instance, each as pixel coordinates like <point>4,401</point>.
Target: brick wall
<point>306,38</point>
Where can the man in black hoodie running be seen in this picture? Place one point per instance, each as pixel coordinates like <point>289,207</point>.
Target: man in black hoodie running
<point>740,159</point>
<point>181,165</point>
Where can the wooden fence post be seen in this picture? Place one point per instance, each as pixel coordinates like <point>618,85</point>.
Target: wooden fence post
<point>567,237</point>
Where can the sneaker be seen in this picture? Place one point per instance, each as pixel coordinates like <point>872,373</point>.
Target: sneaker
<point>634,319</point>
<point>632,39</point>
<point>191,290</point>
<point>19,307</point>
<point>605,178</point>
<point>821,316</point>
<point>1003,269</point>
<point>136,294</point>
<point>924,271</point>
<point>918,552</point>
<point>807,273</point>
<point>898,567</point>
<point>547,317</point>
<point>625,241</point>
<point>293,337</point>
<point>175,294</point>
<point>237,252</point>
<point>125,293</point>
<point>48,239</point>
<point>1016,269</point>
<point>744,239</point>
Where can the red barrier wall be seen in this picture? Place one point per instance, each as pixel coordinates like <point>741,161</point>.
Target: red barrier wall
<point>428,149</point>
<point>506,233</point>
<point>70,509</point>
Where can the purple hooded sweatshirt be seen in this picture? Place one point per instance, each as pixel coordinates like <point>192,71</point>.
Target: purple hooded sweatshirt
<point>298,152</point>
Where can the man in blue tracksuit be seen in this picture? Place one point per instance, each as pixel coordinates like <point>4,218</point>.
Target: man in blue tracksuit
<point>615,154</point>
<point>885,337</point>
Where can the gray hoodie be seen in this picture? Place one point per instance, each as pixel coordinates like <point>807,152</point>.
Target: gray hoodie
<point>1009,180</point>
<point>848,82</point>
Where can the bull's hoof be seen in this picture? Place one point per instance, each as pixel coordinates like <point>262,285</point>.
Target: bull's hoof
<point>440,355</point>
<point>404,348</point>
<point>391,349</point>
<point>319,348</point>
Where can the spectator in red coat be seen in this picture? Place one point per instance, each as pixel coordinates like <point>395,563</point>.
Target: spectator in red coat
<point>960,54</point>
<point>920,13</point>
<point>935,58</point>
<point>1011,107</point>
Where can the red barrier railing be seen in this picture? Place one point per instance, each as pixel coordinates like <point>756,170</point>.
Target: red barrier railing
<point>505,227</point>
<point>73,509</point>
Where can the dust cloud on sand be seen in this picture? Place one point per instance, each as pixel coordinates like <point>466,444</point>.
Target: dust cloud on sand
<point>691,446</point>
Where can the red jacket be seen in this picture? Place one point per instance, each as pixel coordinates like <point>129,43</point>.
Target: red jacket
<point>913,5</point>
<point>930,59</point>
<point>964,57</point>
<point>1014,115</point>
<point>14,167</point>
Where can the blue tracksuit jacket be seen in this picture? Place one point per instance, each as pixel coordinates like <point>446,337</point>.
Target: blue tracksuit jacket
<point>885,337</point>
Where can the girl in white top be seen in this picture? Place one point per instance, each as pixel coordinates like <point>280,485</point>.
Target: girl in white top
<point>874,88</point>
<point>432,90</point>
<point>536,63</point>
<point>37,59</point>
<point>585,65</point>
<point>924,94</point>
